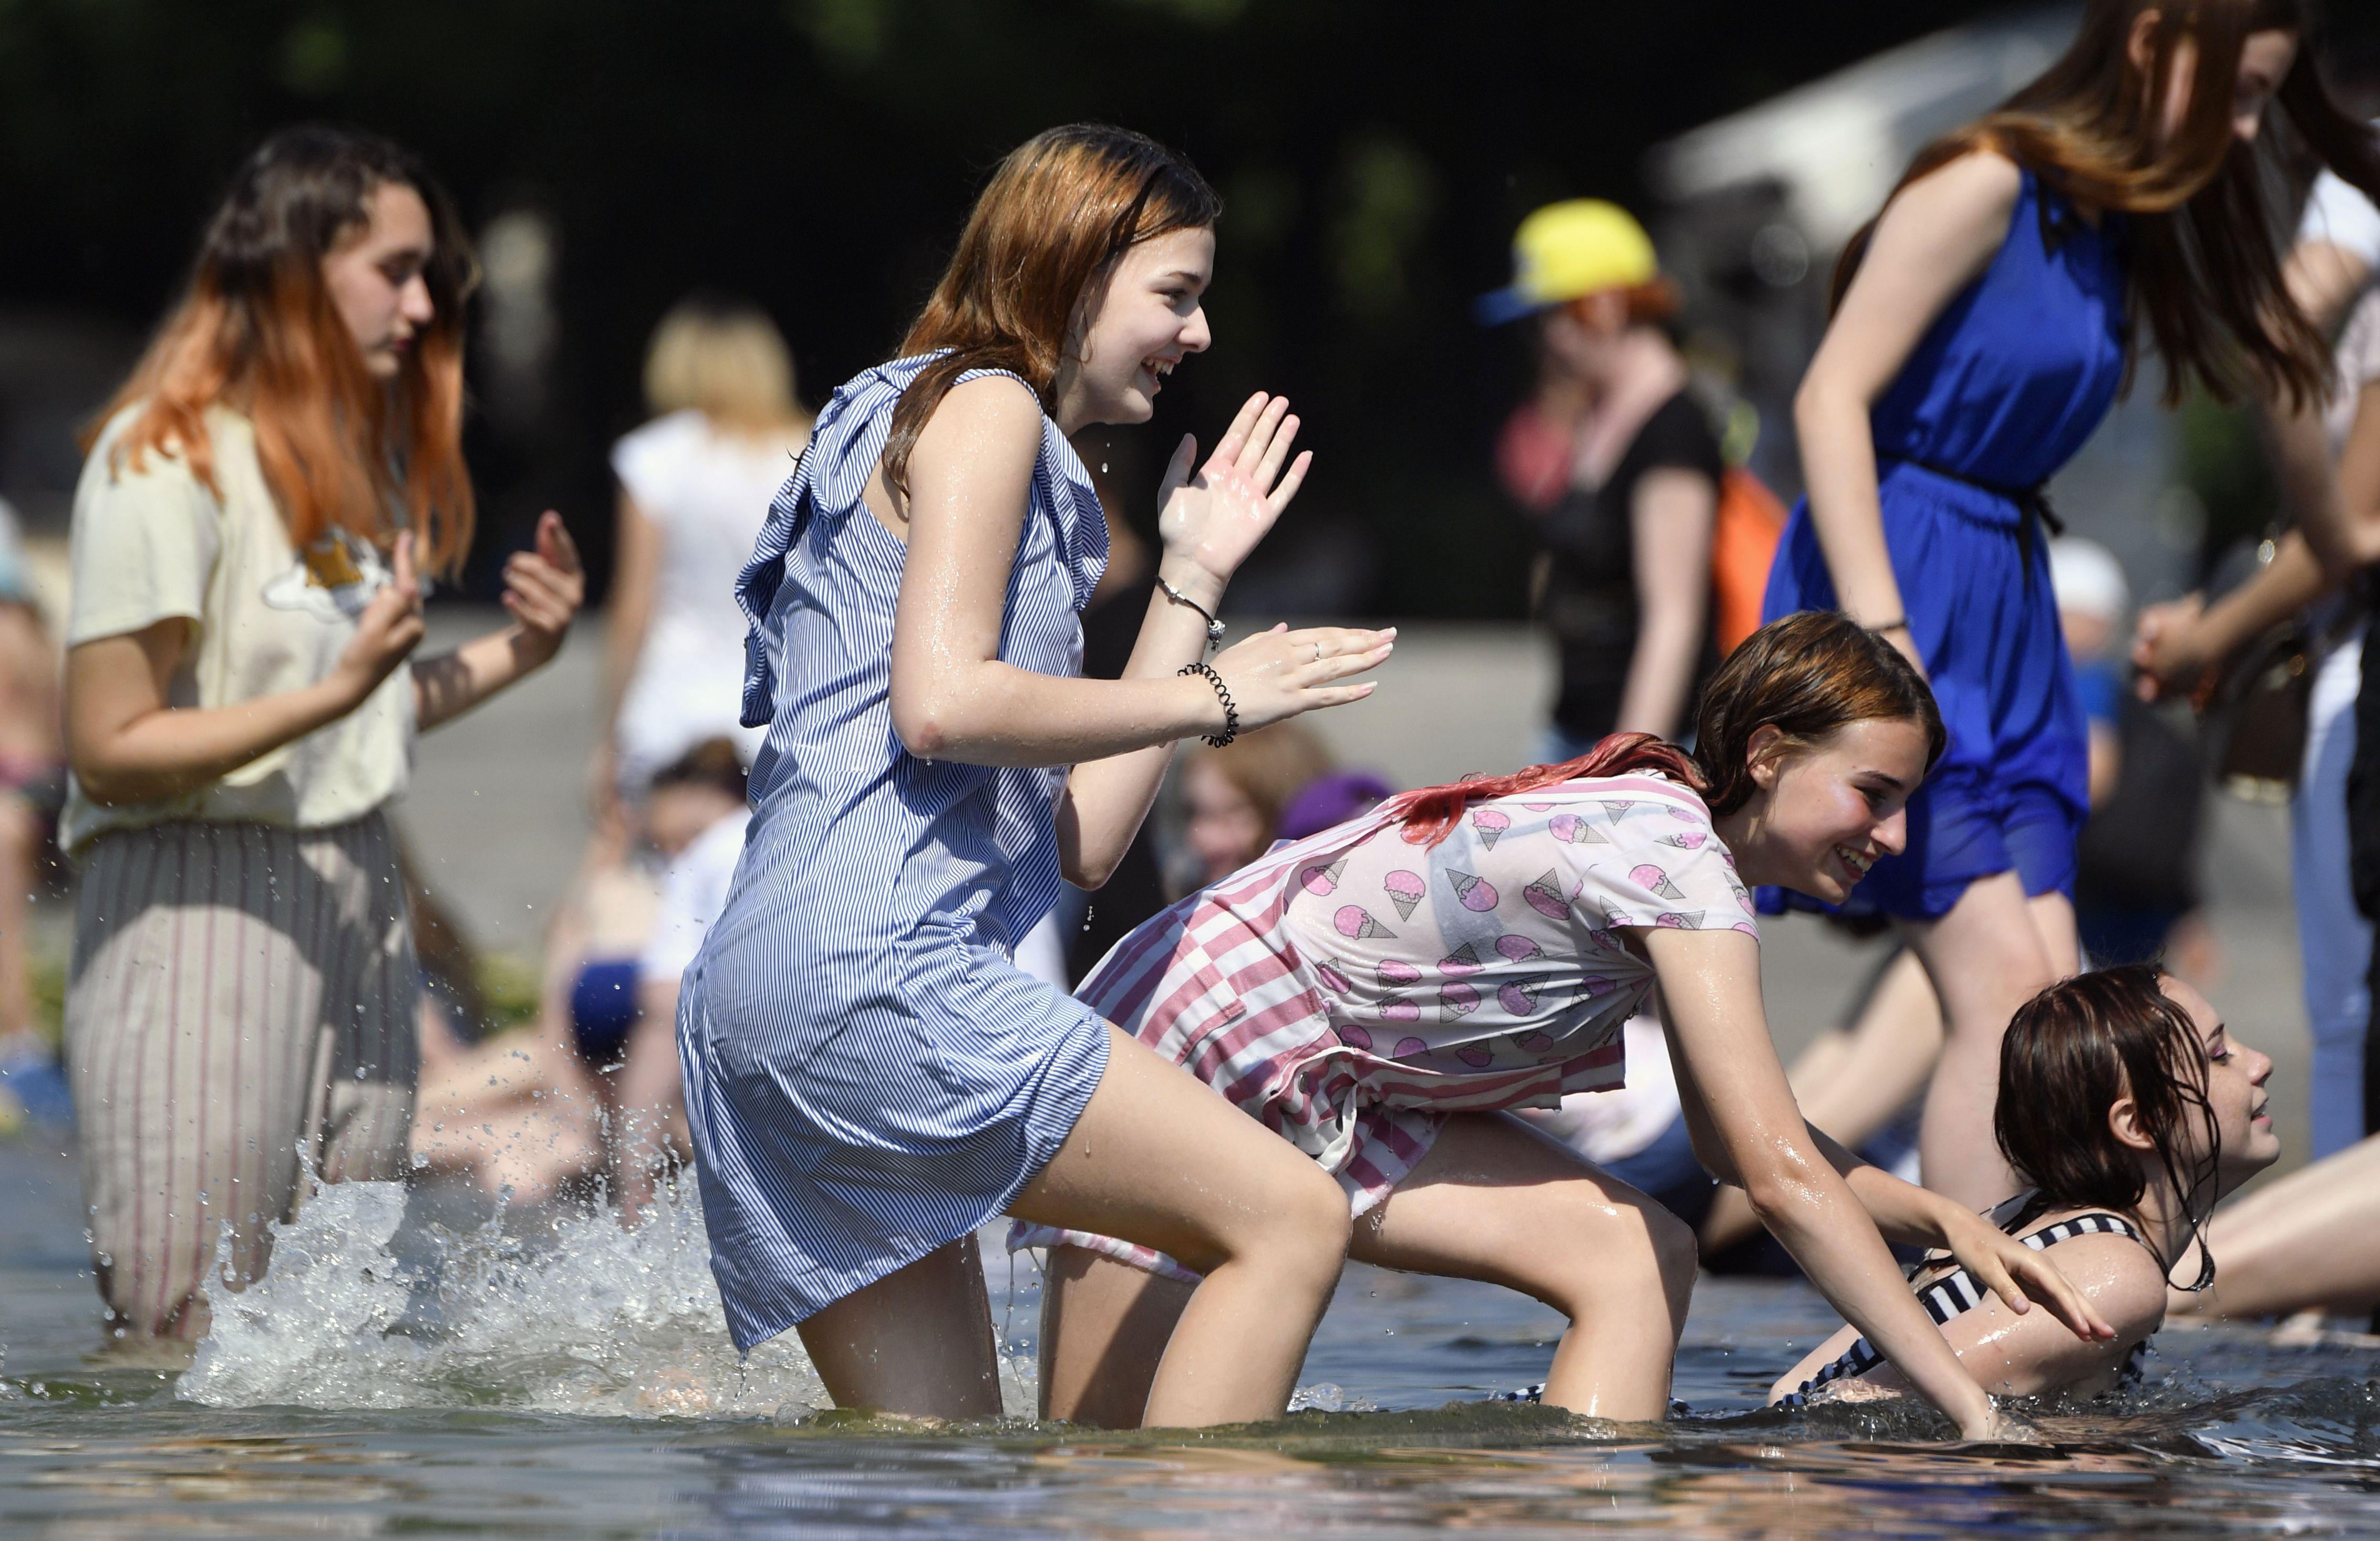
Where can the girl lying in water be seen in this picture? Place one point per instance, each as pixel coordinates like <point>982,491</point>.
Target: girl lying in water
<point>2129,1109</point>
<point>1379,993</point>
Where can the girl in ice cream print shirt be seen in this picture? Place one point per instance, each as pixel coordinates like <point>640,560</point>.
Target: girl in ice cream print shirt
<point>1381,994</point>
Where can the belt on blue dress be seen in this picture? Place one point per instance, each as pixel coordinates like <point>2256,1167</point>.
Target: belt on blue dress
<point>2033,504</point>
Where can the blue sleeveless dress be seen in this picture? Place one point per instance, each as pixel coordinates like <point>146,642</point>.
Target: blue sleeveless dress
<point>2013,376</point>
<point>869,1075</point>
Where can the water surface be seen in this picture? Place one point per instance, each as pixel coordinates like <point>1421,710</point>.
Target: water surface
<point>413,1367</point>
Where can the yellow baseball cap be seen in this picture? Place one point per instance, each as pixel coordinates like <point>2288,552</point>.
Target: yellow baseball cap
<point>1582,246</point>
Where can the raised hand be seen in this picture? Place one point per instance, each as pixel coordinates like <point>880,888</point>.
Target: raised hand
<point>386,633</point>
<point>1281,673</point>
<point>1213,519</point>
<point>544,588</point>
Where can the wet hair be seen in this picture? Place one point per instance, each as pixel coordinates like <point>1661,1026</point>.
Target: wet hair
<point>2205,273</point>
<point>1049,228</point>
<point>712,763</point>
<point>1809,675</point>
<point>256,330</point>
<point>2071,1053</point>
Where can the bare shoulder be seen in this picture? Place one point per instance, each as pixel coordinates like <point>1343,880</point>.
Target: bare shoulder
<point>997,407</point>
<point>1977,191</point>
<point>2120,1278</point>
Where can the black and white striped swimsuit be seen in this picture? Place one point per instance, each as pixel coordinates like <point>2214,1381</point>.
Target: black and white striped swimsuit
<point>1956,1292</point>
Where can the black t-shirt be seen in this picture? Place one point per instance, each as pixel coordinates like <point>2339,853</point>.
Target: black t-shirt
<point>1590,597</point>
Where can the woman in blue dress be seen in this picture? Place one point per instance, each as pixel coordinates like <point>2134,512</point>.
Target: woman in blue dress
<point>869,1076</point>
<point>1983,326</point>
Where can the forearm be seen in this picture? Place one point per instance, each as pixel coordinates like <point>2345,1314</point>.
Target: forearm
<point>1846,510</point>
<point>2343,538</point>
<point>451,684</point>
<point>1661,673</point>
<point>1817,1218</point>
<point>1107,800</point>
<point>625,627</point>
<point>174,750</point>
<point>993,713</point>
<point>2292,580</point>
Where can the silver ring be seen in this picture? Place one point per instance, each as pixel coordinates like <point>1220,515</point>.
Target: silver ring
<point>1317,652</point>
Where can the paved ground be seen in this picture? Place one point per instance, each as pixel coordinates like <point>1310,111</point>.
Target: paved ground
<point>497,815</point>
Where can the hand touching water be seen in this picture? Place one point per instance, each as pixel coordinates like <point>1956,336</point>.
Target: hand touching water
<point>1210,521</point>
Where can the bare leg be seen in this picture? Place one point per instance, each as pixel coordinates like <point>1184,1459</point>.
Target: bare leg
<point>1991,953</point>
<point>1851,1084</point>
<point>1159,1159</point>
<point>917,1341</point>
<point>650,1100</point>
<point>1493,1201</point>
<point>2310,1239</point>
<point>1104,1327</point>
<point>1498,1202</point>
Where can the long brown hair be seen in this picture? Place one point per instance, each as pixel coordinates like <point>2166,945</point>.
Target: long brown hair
<point>1051,223</point>
<point>1808,675</point>
<point>2204,281</point>
<point>2071,1053</point>
<point>257,330</point>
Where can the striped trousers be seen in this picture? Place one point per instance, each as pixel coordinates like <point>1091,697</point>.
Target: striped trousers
<point>239,1022</point>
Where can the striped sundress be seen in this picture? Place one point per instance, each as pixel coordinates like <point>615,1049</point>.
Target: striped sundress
<point>1352,989</point>
<point>868,1074</point>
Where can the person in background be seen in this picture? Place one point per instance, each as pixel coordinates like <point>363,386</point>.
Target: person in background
<point>522,1114</point>
<point>1983,326</point>
<point>2333,826</point>
<point>595,1086</point>
<point>1616,465</point>
<point>1233,797</point>
<point>695,485</point>
<point>2136,892</point>
<point>239,712</point>
<point>32,788</point>
<point>695,816</point>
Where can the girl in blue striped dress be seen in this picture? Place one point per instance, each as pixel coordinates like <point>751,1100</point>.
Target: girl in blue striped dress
<point>869,1076</point>
<point>1983,325</point>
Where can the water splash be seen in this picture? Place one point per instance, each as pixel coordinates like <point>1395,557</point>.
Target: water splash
<point>360,1309</point>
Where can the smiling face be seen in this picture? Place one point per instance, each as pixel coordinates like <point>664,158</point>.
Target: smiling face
<point>376,282</point>
<point>1825,811</point>
<point>2235,1093</point>
<point>1147,319</point>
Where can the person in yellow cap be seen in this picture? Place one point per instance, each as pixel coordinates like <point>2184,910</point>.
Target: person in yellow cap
<point>1617,468</point>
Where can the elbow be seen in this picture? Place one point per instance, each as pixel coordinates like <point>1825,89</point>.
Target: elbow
<point>1087,875</point>
<point>1781,1191</point>
<point>922,719</point>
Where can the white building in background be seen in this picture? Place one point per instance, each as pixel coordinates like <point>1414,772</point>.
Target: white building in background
<point>1756,206</point>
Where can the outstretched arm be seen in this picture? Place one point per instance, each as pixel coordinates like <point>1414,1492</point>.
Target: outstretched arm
<point>1728,1072</point>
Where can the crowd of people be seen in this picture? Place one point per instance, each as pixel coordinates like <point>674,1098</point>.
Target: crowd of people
<point>828,957</point>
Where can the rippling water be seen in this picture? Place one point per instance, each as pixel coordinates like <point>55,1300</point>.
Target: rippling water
<point>412,1367</point>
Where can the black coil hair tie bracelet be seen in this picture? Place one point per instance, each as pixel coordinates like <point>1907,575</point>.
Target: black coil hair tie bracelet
<point>1230,712</point>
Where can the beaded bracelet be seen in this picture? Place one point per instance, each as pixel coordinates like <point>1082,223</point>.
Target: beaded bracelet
<point>1214,626</point>
<point>1230,712</point>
